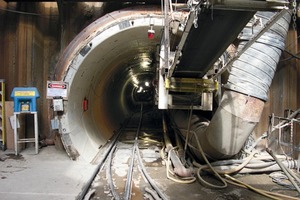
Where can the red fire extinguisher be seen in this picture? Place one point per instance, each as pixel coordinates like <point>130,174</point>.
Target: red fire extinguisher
<point>85,104</point>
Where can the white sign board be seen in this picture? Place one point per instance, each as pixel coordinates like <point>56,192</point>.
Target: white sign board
<point>57,89</point>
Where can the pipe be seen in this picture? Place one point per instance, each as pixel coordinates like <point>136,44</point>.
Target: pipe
<point>260,59</point>
<point>247,90</point>
<point>263,167</point>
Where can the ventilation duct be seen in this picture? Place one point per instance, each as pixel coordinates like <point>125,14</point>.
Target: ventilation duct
<point>246,91</point>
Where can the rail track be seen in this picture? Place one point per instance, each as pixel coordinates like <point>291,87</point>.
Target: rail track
<point>122,165</point>
<point>124,171</point>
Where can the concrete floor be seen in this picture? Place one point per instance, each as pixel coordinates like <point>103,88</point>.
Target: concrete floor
<point>52,175</point>
<point>48,175</point>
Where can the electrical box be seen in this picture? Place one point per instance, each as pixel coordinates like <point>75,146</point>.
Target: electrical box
<point>25,99</point>
<point>58,105</point>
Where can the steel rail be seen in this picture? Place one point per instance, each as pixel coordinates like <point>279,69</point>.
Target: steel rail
<point>109,175</point>
<point>108,157</point>
<point>112,144</point>
<point>147,176</point>
<point>128,184</point>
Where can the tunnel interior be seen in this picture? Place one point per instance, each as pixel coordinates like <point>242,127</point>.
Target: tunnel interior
<point>114,65</point>
<point>113,69</point>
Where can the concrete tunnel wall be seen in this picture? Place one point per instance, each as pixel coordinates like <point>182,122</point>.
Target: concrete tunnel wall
<point>104,64</point>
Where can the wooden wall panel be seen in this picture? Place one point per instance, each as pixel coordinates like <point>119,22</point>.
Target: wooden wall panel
<point>2,13</point>
<point>9,55</point>
<point>22,61</point>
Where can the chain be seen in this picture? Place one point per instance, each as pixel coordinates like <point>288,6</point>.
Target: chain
<point>196,9</point>
<point>294,14</point>
<point>195,22</point>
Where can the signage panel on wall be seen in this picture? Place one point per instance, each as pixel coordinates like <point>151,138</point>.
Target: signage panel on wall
<point>57,89</point>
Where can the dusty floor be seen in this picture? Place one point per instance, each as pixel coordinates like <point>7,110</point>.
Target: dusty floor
<point>157,170</point>
<point>52,175</point>
<point>48,175</point>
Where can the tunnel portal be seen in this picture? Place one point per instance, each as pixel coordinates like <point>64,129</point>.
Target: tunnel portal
<point>111,64</point>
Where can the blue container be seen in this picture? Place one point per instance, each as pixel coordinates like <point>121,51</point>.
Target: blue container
<point>25,99</point>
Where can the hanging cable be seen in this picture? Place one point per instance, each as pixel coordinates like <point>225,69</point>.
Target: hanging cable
<point>188,132</point>
<point>251,188</point>
<point>20,12</point>
<point>210,167</point>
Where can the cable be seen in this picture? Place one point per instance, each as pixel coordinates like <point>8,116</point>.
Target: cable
<point>251,188</point>
<point>185,180</point>
<point>152,193</point>
<point>233,170</point>
<point>280,179</point>
<point>210,167</point>
<point>147,176</point>
<point>285,170</point>
<point>109,175</point>
<point>188,131</point>
<point>86,187</point>
<point>20,12</point>
<point>267,192</point>
<point>292,55</point>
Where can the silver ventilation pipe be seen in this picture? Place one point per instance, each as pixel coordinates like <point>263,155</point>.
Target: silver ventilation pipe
<point>246,91</point>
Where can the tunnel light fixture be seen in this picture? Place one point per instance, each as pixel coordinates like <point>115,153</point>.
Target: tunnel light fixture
<point>135,80</point>
<point>140,89</point>
<point>151,32</point>
<point>145,64</point>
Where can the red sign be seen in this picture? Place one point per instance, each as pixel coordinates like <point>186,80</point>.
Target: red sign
<point>57,85</point>
<point>57,89</point>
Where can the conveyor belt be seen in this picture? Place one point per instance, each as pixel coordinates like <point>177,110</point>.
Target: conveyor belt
<point>217,29</point>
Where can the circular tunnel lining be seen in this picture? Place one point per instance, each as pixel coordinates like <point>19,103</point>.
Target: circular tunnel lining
<point>111,65</point>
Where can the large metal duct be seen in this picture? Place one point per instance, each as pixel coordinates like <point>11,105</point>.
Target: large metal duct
<point>247,90</point>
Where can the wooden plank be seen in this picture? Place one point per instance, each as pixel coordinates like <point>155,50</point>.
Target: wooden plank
<point>9,108</point>
<point>9,111</point>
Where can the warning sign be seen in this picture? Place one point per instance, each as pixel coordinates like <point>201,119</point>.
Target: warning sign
<point>57,89</point>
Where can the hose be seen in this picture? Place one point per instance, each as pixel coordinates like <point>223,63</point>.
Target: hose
<point>185,180</point>
<point>210,167</point>
<point>179,168</point>
<point>233,170</point>
<point>109,175</point>
<point>152,193</point>
<point>252,188</point>
<point>149,179</point>
<point>246,92</point>
<point>244,185</point>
